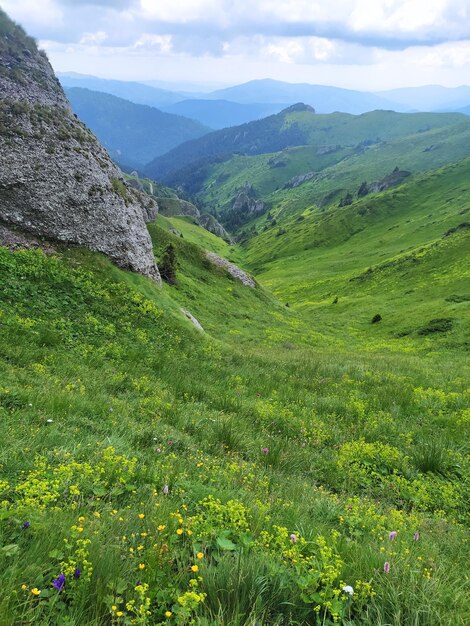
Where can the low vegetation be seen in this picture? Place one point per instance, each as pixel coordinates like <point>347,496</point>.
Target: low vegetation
<point>152,474</point>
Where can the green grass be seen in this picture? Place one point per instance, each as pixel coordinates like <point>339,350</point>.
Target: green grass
<point>293,440</point>
<point>338,172</point>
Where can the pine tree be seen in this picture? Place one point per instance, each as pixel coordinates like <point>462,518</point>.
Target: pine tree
<point>167,265</point>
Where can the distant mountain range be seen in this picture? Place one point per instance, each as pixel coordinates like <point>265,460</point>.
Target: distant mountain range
<point>430,97</point>
<point>133,134</point>
<point>137,136</point>
<point>133,91</point>
<point>323,98</point>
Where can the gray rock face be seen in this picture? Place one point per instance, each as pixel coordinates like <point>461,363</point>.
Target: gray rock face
<point>192,319</point>
<point>56,180</point>
<point>296,181</point>
<point>232,269</point>
<point>213,226</point>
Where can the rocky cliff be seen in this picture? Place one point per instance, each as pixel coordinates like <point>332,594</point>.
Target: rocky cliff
<point>56,180</point>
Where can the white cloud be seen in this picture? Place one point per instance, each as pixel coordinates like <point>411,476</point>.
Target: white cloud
<point>320,39</point>
<point>183,11</point>
<point>162,43</point>
<point>94,38</point>
<point>34,12</point>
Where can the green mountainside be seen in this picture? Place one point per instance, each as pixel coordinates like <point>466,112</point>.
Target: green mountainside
<point>250,472</point>
<point>132,133</point>
<point>298,125</point>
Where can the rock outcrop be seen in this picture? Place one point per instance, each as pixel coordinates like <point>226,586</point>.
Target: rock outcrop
<point>232,269</point>
<point>56,180</point>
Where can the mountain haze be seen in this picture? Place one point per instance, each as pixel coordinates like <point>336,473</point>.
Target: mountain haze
<point>133,134</point>
<point>325,99</point>
<point>136,92</point>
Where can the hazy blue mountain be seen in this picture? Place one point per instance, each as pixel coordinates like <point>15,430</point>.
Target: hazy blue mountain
<point>323,98</point>
<point>132,91</point>
<point>132,133</point>
<point>430,97</point>
<point>222,113</point>
<point>465,110</point>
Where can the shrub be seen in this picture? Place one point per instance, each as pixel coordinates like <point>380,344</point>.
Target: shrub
<point>167,265</point>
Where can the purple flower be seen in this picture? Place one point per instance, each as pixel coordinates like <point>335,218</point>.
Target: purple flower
<point>293,538</point>
<point>392,535</point>
<point>416,537</point>
<point>26,525</point>
<point>165,490</point>
<point>386,567</point>
<point>265,450</point>
<point>59,582</point>
<point>77,573</point>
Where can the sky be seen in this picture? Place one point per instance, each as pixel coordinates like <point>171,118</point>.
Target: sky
<point>358,44</point>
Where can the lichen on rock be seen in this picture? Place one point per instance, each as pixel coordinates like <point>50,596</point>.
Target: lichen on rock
<point>56,180</point>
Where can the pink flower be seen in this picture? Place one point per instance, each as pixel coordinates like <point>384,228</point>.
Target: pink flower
<point>416,537</point>
<point>265,450</point>
<point>293,538</point>
<point>386,567</point>
<point>392,535</point>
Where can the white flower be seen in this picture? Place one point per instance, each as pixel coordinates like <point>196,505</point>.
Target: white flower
<point>49,421</point>
<point>348,589</point>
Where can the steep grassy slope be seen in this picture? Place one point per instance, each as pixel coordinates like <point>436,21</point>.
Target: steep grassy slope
<point>400,250</point>
<point>243,475</point>
<point>133,134</point>
<point>330,174</point>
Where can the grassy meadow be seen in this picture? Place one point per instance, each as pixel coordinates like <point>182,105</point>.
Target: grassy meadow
<point>277,469</point>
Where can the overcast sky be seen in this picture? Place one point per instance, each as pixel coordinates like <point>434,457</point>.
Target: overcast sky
<point>363,44</point>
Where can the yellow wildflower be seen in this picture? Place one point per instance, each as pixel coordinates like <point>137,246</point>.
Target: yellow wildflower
<point>24,587</point>
<point>168,613</point>
<point>35,591</point>
<point>200,555</point>
<point>141,515</point>
<point>161,527</point>
<point>194,568</point>
<point>179,531</point>
<point>141,565</point>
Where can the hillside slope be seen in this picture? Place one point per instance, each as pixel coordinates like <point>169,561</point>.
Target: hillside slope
<point>296,178</point>
<point>133,134</point>
<point>259,457</point>
<point>296,126</point>
<point>402,249</point>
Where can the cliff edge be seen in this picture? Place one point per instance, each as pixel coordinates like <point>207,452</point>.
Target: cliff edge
<point>56,180</point>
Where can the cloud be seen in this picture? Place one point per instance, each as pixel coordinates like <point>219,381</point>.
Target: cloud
<point>303,33</point>
<point>390,24</point>
<point>111,4</point>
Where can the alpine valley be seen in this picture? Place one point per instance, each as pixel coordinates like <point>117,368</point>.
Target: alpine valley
<point>234,375</point>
